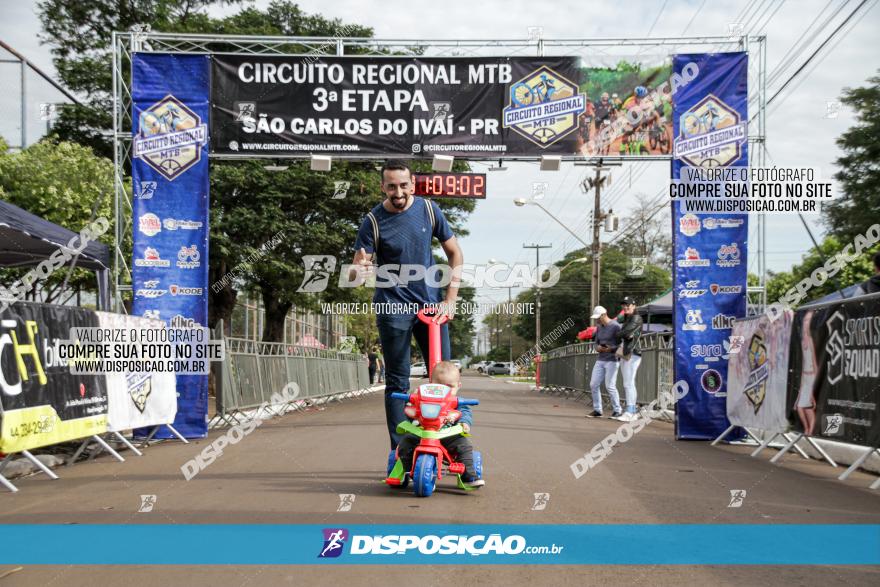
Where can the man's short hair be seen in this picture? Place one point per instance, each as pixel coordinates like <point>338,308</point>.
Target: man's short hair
<point>445,372</point>
<point>877,260</point>
<point>394,166</point>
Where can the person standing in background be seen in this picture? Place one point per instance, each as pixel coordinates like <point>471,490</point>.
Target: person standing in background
<point>372,364</point>
<point>630,353</point>
<point>606,365</point>
<point>381,360</point>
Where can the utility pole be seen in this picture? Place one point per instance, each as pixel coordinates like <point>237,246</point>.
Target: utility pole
<point>510,329</point>
<point>596,183</point>
<point>537,248</point>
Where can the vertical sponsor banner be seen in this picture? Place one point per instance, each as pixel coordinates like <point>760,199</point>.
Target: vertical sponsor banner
<point>758,372</point>
<point>710,269</point>
<point>170,184</point>
<point>834,388</point>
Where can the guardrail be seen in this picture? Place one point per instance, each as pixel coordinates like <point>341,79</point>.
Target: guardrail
<point>566,370</point>
<point>254,370</point>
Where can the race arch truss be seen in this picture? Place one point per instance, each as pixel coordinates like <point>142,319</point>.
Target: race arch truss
<point>602,50</point>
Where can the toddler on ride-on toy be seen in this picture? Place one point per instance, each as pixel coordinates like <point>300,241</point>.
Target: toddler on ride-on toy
<point>446,373</point>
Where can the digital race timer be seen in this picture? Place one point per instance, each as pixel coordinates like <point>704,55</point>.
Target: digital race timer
<point>451,185</point>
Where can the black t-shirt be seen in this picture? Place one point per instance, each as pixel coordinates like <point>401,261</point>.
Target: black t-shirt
<point>371,357</point>
<point>603,111</point>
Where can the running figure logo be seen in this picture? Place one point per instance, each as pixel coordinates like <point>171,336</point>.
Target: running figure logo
<point>346,501</point>
<point>541,501</point>
<point>442,110</point>
<point>334,541</point>
<point>147,503</point>
<point>833,425</point>
<point>318,270</point>
<point>737,496</point>
<point>340,189</point>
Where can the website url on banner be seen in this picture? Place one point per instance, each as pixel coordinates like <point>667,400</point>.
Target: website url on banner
<point>101,366</point>
<point>748,205</point>
<point>450,544</point>
<point>297,147</point>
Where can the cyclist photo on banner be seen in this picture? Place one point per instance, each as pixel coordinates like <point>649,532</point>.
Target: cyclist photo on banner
<point>617,97</point>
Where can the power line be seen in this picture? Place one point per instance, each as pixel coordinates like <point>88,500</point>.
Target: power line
<point>816,52</point>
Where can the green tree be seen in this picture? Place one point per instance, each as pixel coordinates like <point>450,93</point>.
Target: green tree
<point>570,297</point>
<point>64,183</point>
<point>462,329</point>
<point>856,272</point>
<point>859,175</point>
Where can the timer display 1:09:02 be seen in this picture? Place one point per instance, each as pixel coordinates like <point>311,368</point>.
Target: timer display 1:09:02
<point>451,185</point>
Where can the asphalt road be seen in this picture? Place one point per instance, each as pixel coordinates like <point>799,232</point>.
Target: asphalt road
<point>292,469</point>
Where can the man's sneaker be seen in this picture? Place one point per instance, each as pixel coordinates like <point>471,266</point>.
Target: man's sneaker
<point>626,417</point>
<point>616,415</point>
<point>595,414</point>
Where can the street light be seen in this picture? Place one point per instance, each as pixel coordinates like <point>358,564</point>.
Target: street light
<point>520,202</point>
<point>573,261</point>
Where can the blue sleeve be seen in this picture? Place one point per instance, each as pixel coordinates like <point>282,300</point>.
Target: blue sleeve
<point>466,416</point>
<point>441,230</point>
<point>365,237</point>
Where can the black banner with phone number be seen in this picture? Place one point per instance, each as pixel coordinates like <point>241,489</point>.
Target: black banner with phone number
<point>41,402</point>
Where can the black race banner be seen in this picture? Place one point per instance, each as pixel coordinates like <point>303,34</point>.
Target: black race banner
<point>41,403</point>
<point>350,106</point>
<point>834,384</point>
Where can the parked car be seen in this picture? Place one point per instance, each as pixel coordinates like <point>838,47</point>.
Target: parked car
<point>500,369</point>
<point>480,366</point>
<point>418,370</point>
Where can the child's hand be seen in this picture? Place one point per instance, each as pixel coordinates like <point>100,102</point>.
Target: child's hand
<point>466,428</point>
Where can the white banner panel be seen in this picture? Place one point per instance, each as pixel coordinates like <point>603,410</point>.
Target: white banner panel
<point>137,400</point>
<point>758,372</point>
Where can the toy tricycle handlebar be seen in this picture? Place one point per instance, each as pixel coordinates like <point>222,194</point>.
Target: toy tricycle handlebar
<point>427,316</point>
<point>468,402</point>
<point>403,396</point>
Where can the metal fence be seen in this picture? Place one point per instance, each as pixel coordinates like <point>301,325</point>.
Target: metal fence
<point>567,369</point>
<point>254,370</point>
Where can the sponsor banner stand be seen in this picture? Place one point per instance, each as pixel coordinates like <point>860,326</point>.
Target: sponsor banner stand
<point>43,403</point>
<point>834,380</point>
<point>170,111</point>
<point>37,463</point>
<point>834,367</point>
<point>757,380</point>
<point>858,463</point>
<point>711,250</point>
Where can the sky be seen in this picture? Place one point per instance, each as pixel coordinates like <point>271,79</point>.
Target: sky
<point>800,130</point>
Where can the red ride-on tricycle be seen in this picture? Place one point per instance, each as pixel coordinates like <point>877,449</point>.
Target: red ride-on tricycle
<point>431,405</point>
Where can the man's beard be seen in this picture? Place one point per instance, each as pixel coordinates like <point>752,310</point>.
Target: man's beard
<point>399,203</point>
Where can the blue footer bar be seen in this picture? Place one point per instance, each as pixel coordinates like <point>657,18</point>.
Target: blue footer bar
<point>626,544</point>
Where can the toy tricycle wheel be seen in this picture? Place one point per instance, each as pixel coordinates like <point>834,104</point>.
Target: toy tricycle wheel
<point>425,475</point>
<point>478,463</point>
